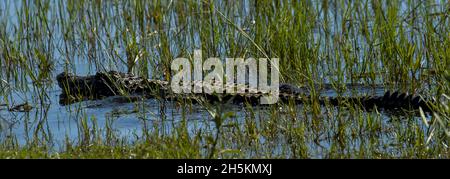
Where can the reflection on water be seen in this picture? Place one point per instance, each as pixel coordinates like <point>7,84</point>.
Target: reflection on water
<point>99,49</point>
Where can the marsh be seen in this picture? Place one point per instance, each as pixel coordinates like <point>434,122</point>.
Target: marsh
<point>337,49</point>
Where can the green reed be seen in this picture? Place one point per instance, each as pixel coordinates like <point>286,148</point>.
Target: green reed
<point>401,44</point>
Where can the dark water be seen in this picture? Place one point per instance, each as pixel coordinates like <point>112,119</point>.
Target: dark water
<point>127,119</point>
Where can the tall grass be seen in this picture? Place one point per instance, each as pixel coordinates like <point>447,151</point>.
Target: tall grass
<point>400,44</point>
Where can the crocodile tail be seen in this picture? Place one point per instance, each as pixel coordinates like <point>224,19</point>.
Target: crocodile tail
<point>398,100</point>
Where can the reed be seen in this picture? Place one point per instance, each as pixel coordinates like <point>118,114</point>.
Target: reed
<point>401,44</point>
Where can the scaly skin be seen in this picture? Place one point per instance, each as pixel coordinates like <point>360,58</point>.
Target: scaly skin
<point>112,83</point>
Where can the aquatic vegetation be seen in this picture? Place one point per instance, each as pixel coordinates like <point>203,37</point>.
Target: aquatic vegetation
<point>398,45</point>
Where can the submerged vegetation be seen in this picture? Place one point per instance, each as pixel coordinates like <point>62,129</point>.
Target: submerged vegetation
<point>398,44</point>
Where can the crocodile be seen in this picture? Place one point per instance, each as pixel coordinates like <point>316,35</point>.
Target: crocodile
<point>106,84</point>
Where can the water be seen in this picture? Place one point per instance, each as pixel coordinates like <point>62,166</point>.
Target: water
<point>48,118</point>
